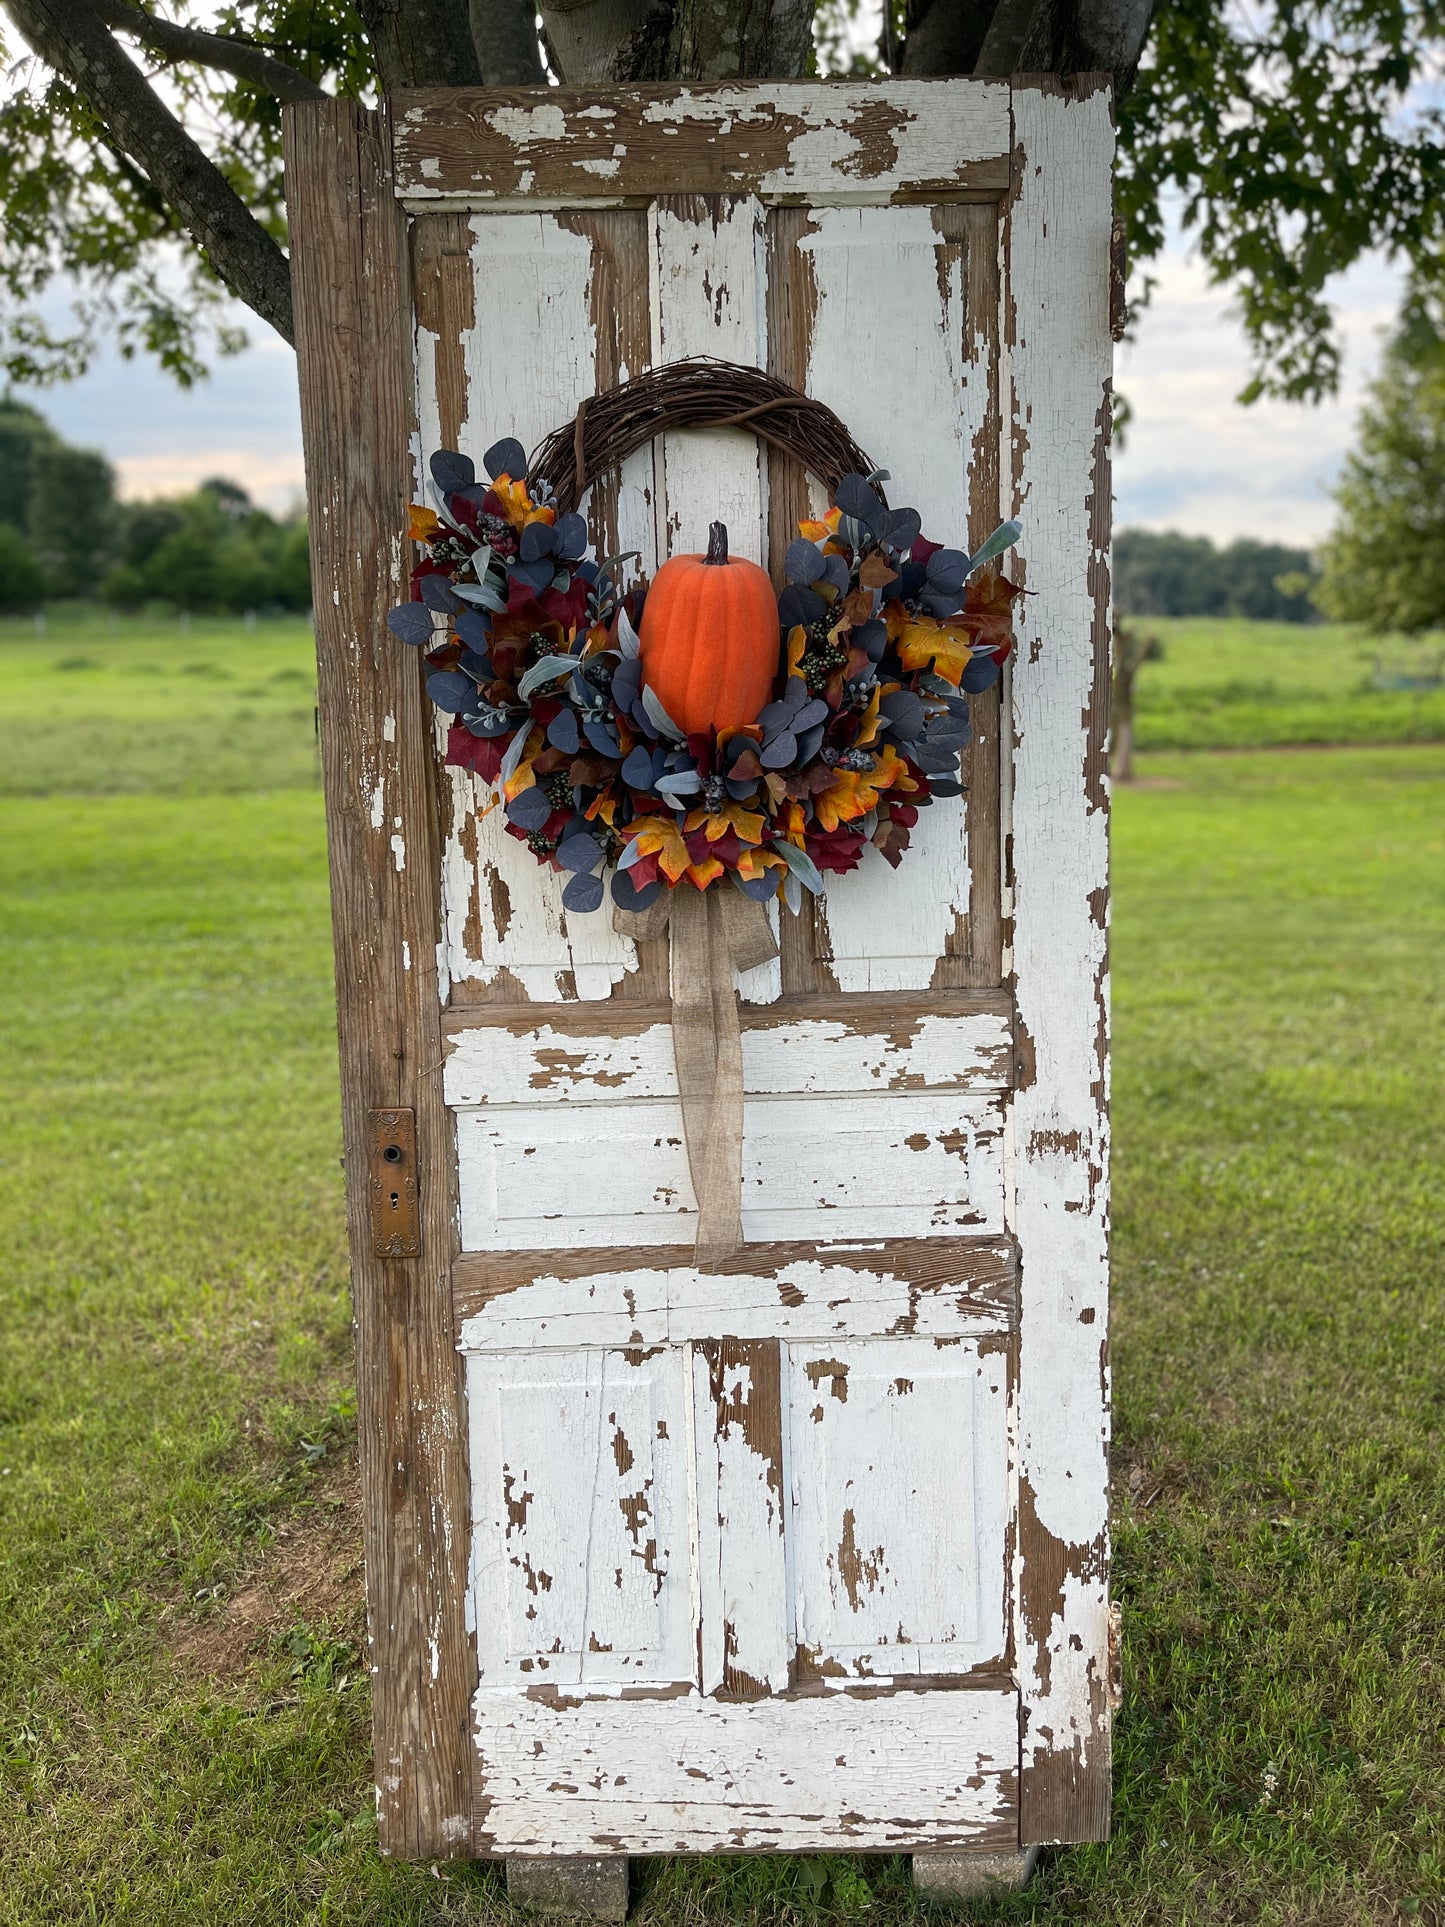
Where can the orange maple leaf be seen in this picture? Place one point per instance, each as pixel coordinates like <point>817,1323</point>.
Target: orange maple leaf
<point>854,792</point>
<point>518,508</point>
<point>924,642</point>
<point>659,836</point>
<point>422,523</point>
<point>732,816</point>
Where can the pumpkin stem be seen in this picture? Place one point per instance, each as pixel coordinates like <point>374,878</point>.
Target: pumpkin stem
<point>717,543</point>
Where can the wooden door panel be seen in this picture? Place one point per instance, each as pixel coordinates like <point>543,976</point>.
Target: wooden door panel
<point>909,1165</point>
<point>899,1462</point>
<point>911,1771</point>
<point>581,1559</point>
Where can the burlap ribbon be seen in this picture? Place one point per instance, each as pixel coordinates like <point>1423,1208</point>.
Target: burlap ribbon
<point>712,933</point>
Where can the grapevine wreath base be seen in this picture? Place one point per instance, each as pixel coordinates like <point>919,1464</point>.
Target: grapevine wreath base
<point>700,731</point>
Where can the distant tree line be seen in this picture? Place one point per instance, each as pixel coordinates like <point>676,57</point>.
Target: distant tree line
<point>1186,575</point>
<point>64,535</point>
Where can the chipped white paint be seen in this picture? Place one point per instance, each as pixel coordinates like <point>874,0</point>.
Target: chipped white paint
<point>566,1176</point>
<point>708,299</point>
<point>388,728</point>
<point>581,1548</point>
<point>851,141</point>
<point>1061,365</point>
<point>887,276</point>
<point>495,1065</point>
<point>746,1626</point>
<point>823,1298</point>
<point>698,1776</point>
<point>899,1489</point>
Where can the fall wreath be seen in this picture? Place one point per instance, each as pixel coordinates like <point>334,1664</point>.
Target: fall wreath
<point>701,729</point>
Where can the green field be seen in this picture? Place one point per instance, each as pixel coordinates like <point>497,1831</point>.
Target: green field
<point>183,1691</point>
<point>1224,682</point>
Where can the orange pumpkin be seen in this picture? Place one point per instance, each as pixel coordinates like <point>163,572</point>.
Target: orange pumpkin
<point>710,638</point>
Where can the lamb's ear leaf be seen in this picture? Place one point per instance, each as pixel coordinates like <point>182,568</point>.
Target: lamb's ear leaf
<point>451,471</point>
<point>506,457</point>
<point>629,644</point>
<point>543,672</point>
<point>516,750</point>
<point>661,721</point>
<point>1003,537</point>
<point>800,864</point>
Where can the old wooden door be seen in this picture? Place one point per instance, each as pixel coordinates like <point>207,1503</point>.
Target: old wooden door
<point>809,1552</point>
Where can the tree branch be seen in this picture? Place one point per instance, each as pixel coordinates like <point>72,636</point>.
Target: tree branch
<point>230,56</point>
<point>504,33</point>
<point>69,36</point>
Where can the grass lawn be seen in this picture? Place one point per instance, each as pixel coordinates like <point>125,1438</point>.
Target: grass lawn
<point>183,1693</point>
<point>1227,682</point>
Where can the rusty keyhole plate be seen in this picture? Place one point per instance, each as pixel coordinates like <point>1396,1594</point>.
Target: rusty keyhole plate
<point>395,1214</point>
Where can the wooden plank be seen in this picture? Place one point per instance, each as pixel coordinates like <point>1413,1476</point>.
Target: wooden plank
<point>899,1467</point>
<point>1058,303</point>
<point>498,1065</point>
<point>912,1164</point>
<point>741,1473</point>
<point>861,1014</point>
<point>581,1549</point>
<point>352,335</point>
<point>958,1287</point>
<point>559,310</point>
<point>882,1774</point>
<point>863,141</point>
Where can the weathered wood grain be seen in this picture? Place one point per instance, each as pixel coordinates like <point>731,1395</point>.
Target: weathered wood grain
<point>353,347</point>
<point>692,1775</point>
<point>958,1287</point>
<point>743,1603</point>
<point>843,141</point>
<point>1058,309</point>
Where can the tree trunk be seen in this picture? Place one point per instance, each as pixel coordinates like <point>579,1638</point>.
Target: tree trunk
<point>597,41</point>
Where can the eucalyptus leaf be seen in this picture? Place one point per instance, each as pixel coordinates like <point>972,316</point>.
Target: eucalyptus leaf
<point>436,593</point>
<point>451,691</point>
<point>900,529</point>
<point>946,569</point>
<point>569,538</point>
<point>563,733</point>
<point>855,498</point>
<point>601,735</point>
<point>797,604</point>
<point>536,575</point>
<point>779,751</point>
<point>412,621</point>
<point>812,712</point>
<point>762,889</point>
<point>581,852</point>
<point>637,768</point>
<point>536,541</point>
<point>982,673</point>
<point>809,743</point>
<point>506,457</point>
<point>804,561</point>
<point>945,786</point>
<point>583,892</point>
<point>933,760</point>
<point>451,471</point>
<point>477,664</point>
<point>473,629</point>
<point>626,897</point>
<point>529,809</point>
<point>481,593</point>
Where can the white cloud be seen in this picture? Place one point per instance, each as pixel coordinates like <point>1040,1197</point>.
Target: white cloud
<point>1194,459</point>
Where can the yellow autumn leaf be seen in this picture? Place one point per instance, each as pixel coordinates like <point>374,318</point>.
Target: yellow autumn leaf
<point>659,836</point>
<point>732,816</point>
<point>422,523</point>
<point>518,508</point>
<point>702,874</point>
<point>868,721</point>
<point>924,642</point>
<point>852,793</point>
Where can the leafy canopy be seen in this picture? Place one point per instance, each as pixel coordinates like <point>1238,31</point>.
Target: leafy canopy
<point>1384,564</point>
<point>1294,138</point>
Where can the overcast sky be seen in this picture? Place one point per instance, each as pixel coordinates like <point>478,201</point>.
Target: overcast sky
<point>1194,459</point>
